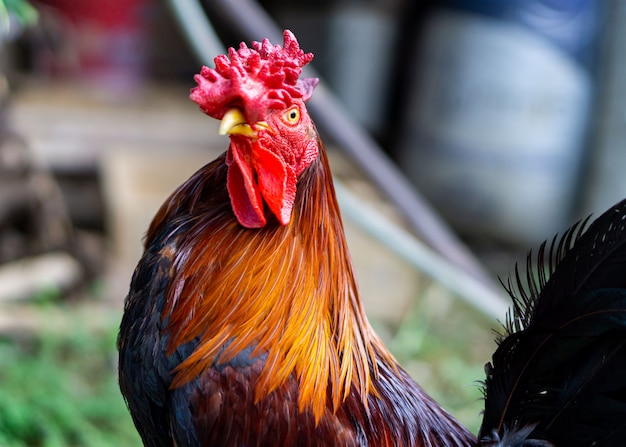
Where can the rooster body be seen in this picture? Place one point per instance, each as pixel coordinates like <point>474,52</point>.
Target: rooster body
<point>221,401</point>
<point>243,325</point>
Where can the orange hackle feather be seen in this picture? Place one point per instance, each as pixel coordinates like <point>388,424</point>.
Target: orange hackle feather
<point>289,291</point>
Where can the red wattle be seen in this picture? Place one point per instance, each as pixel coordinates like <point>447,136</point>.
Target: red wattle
<point>245,196</point>
<point>277,182</point>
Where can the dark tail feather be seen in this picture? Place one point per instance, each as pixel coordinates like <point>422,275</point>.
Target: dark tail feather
<point>561,364</point>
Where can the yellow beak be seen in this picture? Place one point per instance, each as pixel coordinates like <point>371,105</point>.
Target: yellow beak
<point>234,123</point>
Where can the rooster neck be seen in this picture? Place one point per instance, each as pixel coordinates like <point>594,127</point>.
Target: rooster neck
<point>285,292</point>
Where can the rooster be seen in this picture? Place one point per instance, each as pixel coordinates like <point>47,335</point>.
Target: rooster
<point>243,325</point>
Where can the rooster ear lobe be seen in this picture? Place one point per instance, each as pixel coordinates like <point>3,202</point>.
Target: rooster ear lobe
<point>306,86</point>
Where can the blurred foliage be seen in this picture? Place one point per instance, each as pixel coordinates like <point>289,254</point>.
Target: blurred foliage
<point>61,390</point>
<point>21,10</point>
<point>444,343</point>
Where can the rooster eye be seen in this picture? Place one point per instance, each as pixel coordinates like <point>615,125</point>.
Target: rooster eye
<point>292,115</point>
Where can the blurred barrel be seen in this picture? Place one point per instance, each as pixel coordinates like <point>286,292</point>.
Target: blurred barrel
<point>498,111</point>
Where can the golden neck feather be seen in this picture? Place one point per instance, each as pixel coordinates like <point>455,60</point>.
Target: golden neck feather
<point>289,291</point>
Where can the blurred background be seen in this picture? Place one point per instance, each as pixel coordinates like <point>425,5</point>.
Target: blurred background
<point>506,118</point>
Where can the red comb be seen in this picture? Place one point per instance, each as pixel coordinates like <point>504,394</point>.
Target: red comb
<point>255,79</point>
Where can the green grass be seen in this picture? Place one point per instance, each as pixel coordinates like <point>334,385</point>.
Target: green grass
<point>60,389</point>
<point>444,344</point>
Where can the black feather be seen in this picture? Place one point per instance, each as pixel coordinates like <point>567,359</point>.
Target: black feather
<point>560,367</point>
<point>144,369</point>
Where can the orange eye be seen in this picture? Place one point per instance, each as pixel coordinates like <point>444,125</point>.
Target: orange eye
<point>292,115</point>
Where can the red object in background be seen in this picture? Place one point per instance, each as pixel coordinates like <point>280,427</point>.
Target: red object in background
<point>111,40</point>
<point>112,13</point>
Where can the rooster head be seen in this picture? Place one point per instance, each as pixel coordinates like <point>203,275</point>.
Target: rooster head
<point>258,96</point>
